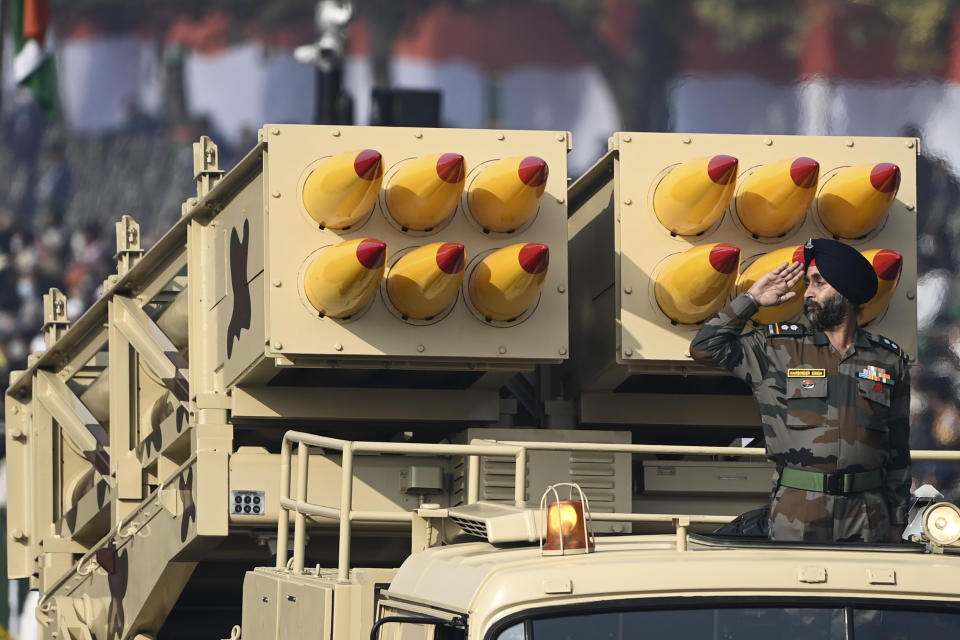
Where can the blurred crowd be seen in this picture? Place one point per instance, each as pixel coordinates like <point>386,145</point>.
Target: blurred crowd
<point>63,194</point>
<point>935,402</point>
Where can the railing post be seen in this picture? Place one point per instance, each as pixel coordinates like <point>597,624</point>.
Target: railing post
<point>283,516</point>
<point>473,479</point>
<point>520,478</point>
<point>346,506</point>
<point>300,525</point>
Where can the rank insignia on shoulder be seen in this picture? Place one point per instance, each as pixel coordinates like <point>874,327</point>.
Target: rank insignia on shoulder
<point>889,344</point>
<point>786,329</point>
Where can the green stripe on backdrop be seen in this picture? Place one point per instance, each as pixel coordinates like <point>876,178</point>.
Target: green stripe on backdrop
<point>43,81</point>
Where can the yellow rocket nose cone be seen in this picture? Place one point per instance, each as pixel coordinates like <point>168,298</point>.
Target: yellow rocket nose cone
<point>425,191</point>
<point>888,264</point>
<point>343,189</point>
<point>694,284</point>
<point>507,193</point>
<point>693,196</point>
<point>774,198</point>
<point>507,282</point>
<point>765,264</point>
<point>343,278</point>
<point>425,281</point>
<point>856,199</point>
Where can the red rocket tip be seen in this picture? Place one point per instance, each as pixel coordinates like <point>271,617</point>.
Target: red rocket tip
<point>371,253</point>
<point>885,177</point>
<point>798,255</point>
<point>722,169</point>
<point>368,164</point>
<point>450,257</point>
<point>533,171</point>
<point>534,258</point>
<point>804,172</point>
<point>450,167</point>
<point>887,264</point>
<point>725,258</point>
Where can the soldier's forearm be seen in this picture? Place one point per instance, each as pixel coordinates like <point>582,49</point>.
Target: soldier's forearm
<point>719,337</point>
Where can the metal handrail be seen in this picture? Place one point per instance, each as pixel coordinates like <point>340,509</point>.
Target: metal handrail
<point>753,452</point>
<point>344,512</point>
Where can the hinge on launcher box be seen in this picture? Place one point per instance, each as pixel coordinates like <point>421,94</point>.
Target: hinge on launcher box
<point>206,165</point>
<point>129,250</point>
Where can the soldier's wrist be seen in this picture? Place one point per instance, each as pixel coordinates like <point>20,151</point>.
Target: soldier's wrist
<point>752,298</point>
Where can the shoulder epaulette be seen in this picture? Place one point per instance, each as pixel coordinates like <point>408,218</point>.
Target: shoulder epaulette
<point>889,344</point>
<point>787,329</point>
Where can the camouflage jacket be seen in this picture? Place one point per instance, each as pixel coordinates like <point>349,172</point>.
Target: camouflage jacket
<point>821,410</point>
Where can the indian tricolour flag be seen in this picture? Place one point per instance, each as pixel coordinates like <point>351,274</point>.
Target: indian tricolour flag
<point>33,61</point>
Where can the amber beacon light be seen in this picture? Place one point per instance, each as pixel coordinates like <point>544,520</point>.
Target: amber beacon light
<point>567,522</point>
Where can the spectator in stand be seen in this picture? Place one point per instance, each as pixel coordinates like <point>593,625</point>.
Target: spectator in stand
<point>138,121</point>
<point>53,189</point>
<point>23,127</point>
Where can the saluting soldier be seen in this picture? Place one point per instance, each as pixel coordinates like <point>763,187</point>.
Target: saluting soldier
<point>834,399</point>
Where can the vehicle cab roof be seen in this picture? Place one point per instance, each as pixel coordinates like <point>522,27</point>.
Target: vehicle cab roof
<point>479,577</point>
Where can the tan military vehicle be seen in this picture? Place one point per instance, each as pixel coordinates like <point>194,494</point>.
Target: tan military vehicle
<point>341,398</point>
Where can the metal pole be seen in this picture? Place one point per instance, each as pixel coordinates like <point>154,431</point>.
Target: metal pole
<point>300,526</point>
<point>346,505</point>
<point>283,516</point>
<point>473,479</point>
<point>520,479</point>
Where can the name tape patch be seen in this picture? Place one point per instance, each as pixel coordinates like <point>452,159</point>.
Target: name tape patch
<point>806,373</point>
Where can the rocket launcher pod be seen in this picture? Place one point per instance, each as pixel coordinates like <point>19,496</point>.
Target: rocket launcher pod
<point>425,281</point>
<point>765,264</point>
<point>774,198</point>
<point>888,264</point>
<point>342,279</point>
<point>506,194</point>
<point>856,199</point>
<point>344,188</point>
<point>694,284</point>
<point>693,196</point>
<point>507,282</point>
<point>425,191</point>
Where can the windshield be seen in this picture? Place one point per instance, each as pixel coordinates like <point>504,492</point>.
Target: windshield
<point>741,623</point>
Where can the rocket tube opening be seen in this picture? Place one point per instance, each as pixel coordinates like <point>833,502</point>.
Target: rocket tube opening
<point>690,197</point>
<point>854,201</point>
<point>340,281</point>
<point>340,191</point>
<point>422,193</point>
<point>692,285</point>
<point>499,290</point>
<point>503,196</point>
<point>423,283</point>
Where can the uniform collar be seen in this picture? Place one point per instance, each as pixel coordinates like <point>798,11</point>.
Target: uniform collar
<point>861,338</point>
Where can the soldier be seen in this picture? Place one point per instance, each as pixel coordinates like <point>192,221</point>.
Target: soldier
<point>834,399</point>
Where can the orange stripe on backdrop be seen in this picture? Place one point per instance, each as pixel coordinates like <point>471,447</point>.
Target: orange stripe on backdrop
<point>36,17</point>
<point>826,48</point>
<point>953,66</point>
<point>495,38</point>
<point>207,34</point>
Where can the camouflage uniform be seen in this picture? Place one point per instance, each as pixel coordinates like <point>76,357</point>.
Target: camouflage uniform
<point>844,413</point>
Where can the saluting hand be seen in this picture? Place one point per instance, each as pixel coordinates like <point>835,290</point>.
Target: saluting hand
<point>775,287</point>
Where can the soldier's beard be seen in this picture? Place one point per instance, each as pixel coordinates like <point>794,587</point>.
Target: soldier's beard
<point>827,316</point>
